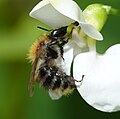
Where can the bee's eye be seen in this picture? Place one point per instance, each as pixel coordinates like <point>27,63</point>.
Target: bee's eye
<point>54,33</point>
<point>59,32</point>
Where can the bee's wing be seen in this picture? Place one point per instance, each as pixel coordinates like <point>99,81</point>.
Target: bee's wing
<point>55,95</point>
<point>32,77</point>
<point>31,87</point>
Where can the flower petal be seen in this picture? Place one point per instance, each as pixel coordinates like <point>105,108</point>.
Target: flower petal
<point>78,43</point>
<point>68,58</point>
<point>46,12</point>
<point>69,9</point>
<point>91,31</point>
<point>101,84</point>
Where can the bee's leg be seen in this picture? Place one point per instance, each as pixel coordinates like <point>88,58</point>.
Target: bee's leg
<point>63,41</point>
<point>79,81</point>
<point>61,44</point>
<point>53,42</point>
<point>61,51</point>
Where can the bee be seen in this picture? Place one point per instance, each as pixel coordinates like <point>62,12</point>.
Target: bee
<point>47,55</point>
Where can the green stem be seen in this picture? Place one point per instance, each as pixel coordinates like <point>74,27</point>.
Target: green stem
<point>115,12</point>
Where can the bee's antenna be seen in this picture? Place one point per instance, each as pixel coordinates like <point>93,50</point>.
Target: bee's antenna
<point>43,28</point>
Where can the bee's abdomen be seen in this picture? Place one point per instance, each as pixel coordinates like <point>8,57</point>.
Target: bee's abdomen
<point>43,71</point>
<point>56,83</point>
<point>53,78</point>
<point>48,77</point>
<point>67,83</point>
<point>48,82</point>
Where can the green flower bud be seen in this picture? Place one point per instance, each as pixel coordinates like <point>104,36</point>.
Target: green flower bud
<point>96,15</point>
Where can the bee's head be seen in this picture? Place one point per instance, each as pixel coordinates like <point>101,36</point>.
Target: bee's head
<point>59,32</point>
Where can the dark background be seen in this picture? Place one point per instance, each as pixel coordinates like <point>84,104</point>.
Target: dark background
<point>17,33</point>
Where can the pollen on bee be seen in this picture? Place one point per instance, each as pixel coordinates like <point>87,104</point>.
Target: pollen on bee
<point>65,92</point>
<point>34,48</point>
<point>68,91</point>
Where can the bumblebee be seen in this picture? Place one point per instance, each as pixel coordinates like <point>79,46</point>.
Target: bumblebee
<point>46,55</point>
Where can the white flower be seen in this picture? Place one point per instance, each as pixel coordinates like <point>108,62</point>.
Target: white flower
<point>58,13</point>
<point>100,87</point>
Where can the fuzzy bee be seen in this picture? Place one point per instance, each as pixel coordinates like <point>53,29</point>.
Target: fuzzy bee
<point>46,55</point>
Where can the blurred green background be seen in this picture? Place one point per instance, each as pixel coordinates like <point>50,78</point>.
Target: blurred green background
<point>17,32</point>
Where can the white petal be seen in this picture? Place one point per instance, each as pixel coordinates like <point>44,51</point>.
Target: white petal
<point>68,8</point>
<point>46,12</point>
<point>78,43</point>
<point>57,13</point>
<point>39,5</point>
<point>91,31</point>
<point>101,85</point>
<point>68,57</point>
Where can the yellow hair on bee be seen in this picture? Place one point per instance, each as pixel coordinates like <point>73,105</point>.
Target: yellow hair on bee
<point>35,46</point>
<point>67,91</point>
